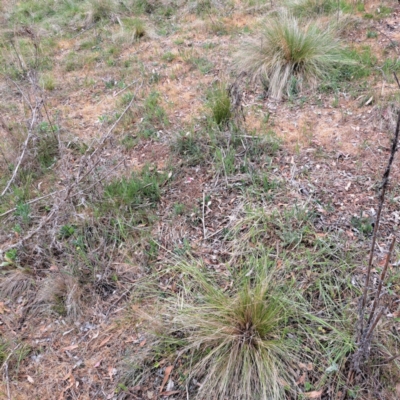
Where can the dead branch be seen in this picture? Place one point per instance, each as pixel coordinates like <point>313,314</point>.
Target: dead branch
<point>24,148</point>
<point>32,201</point>
<point>365,334</point>
<point>32,233</point>
<point>384,185</point>
<point>381,280</point>
<point>203,219</point>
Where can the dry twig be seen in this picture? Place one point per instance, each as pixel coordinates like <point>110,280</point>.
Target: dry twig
<point>365,333</point>
<point>24,148</point>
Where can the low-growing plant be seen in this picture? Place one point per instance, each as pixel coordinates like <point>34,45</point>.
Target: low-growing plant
<point>363,224</point>
<point>23,212</point>
<point>73,62</point>
<point>372,34</point>
<point>203,64</point>
<point>224,160</point>
<point>98,10</point>
<point>310,8</point>
<point>135,191</point>
<point>126,98</point>
<point>138,28</point>
<point>220,105</point>
<point>179,208</point>
<point>47,150</point>
<point>153,114</point>
<point>168,56</point>
<point>190,146</point>
<point>4,350</point>
<point>48,82</point>
<point>363,61</point>
<point>11,256</point>
<point>67,231</point>
<point>287,48</point>
<point>383,11</point>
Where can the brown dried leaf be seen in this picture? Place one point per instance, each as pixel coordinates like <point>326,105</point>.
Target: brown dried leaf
<point>167,373</point>
<point>314,394</point>
<point>301,379</point>
<point>106,340</point>
<point>72,347</point>
<point>3,308</point>
<point>169,392</point>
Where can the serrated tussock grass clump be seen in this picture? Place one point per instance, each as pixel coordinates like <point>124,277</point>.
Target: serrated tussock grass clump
<point>288,50</point>
<point>238,344</point>
<point>235,343</point>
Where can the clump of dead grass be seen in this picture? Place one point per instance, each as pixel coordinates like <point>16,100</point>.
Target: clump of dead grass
<point>60,293</point>
<point>16,283</point>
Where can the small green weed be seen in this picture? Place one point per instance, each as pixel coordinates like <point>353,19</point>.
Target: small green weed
<point>225,160</point>
<point>11,255</point>
<point>153,114</point>
<point>190,146</point>
<point>99,10</point>
<point>168,56</point>
<point>48,82</point>
<point>390,66</point>
<point>363,63</point>
<point>196,61</point>
<point>137,191</point>
<point>372,34</point>
<point>360,6</point>
<point>129,141</point>
<point>179,208</point>
<point>311,8</point>
<point>383,12</point>
<point>4,350</point>
<point>46,145</point>
<point>23,212</point>
<point>73,62</point>
<point>362,224</point>
<point>138,28</point>
<point>66,231</point>
<point>219,103</point>
<point>126,98</point>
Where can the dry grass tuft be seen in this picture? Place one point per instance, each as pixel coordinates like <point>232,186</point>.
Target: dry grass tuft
<point>62,294</point>
<point>16,283</point>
